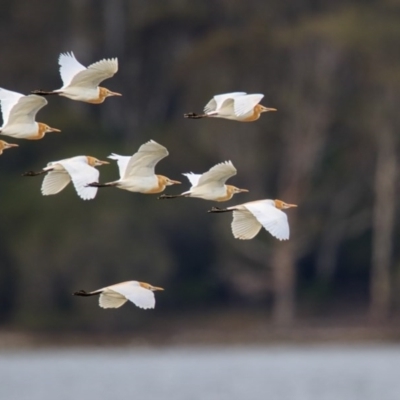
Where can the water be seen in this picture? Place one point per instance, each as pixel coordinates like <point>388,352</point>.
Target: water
<point>276,373</point>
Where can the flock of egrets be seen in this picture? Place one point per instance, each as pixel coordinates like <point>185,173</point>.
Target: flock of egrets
<point>137,171</point>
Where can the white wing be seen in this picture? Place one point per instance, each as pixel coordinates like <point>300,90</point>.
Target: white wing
<point>193,178</point>
<point>69,67</point>
<point>217,101</point>
<point>122,162</point>
<point>54,182</point>
<point>272,219</point>
<point>8,99</point>
<point>218,174</point>
<point>244,104</point>
<point>81,174</point>
<point>245,225</point>
<point>24,112</point>
<point>143,162</point>
<point>95,73</point>
<point>138,295</point>
<point>111,299</point>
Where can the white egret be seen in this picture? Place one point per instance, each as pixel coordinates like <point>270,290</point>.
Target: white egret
<point>19,114</point>
<point>81,83</point>
<point>114,296</point>
<point>211,184</point>
<point>237,106</point>
<point>137,172</point>
<point>80,170</point>
<point>4,146</point>
<point>249,218</point>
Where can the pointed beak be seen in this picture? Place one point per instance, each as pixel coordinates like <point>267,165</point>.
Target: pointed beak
<point>266,109</point>
<point>291,205</point>
<point>155,288</point>
<point>9,145</point>
<point>54,130</point>
<point>243,191</point>
<point>114,94</point>
<point>175,182</point>
<point>103,162</point>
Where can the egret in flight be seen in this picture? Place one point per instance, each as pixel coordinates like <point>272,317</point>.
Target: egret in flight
<point>211,184</point>
<point>114,296</point>
<point>238,106</point>
<point>81,83</point>
<point>137,172</point>
<point>80,170</point>
<point>249,218</point>
<point>4,146</point>
<point>19,114</point>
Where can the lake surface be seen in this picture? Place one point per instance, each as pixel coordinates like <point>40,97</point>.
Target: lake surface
<point>197,373</point>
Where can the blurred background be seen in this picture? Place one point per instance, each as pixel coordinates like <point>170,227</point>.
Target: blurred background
<point>330,68</point>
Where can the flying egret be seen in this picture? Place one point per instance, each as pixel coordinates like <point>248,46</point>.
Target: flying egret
<point>238,106</point>
<point>19,114</point>
<point>114,296</point>
<point>80,170</point>
<point>248,218</point>
<point>81,83</point>
<point>4,146</point>
<point>211,184</point>
<point>137,172</point>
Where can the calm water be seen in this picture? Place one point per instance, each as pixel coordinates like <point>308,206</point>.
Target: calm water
<point>275,373</point>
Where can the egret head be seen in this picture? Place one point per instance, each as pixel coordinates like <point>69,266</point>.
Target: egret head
<point>4,145</point>
<point>282,205</point>
<point>43,128</point>
<point>103,93</point>
<point>150,287</point>
<point>266,109</point>
<point>164,181</point>
<point>94,162</point>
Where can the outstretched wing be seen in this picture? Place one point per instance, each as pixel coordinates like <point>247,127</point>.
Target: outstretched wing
<point>8,100</point>
<point>193,178</point>
<point>143,162</point>
<point>245,104</point>
<point>218,174</point>
<point>54,182</point>
<point>81,174</point>
<point>141,297</point>
<point>24,112</point>
<point>95,73</point>
<point>217,101</point>
<point>244,225</point>
<point>69,67</point>
<point>111,299</point>
<point>122,162</point>
<point>272,219</point>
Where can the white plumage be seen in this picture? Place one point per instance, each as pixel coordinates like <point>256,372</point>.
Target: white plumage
<point>80,170</point>
<point>81,83</point>
<point>19,113</point>
<point>238,106</point>
<point>114,296</point>
<point>249,218</point>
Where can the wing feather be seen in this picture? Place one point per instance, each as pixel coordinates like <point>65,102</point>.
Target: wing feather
<point>69,67</point>
<point>272,219</point>
<point>54,182</point>
<point>122,162</point>
<point>111,299</point>
<point>143,162</point>
<point>8,99</point>
<point>141,297</point>
<point>245,104</point>
<point>95,73</point>
<point>24,112</point>
<point>244,225</point>
<point>81,175</point>
<point>193,178</point>
<point>217,101</point>
<point>218,174</point>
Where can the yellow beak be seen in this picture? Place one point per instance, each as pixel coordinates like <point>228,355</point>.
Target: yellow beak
<point>54,130</point>
<point>290,205</point>
<point>114,94</point>
<point>9,145</point>
<point>103,162</point>
<point>243,191</point>
<point>175,182</point>
<point>154,288</point>
<point>269,109</point>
